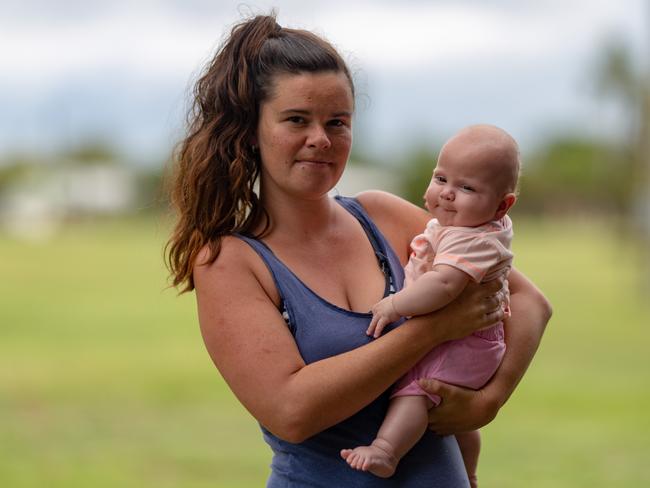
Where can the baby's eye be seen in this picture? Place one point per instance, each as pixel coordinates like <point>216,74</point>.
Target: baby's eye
<point>440,179</point>
<point>467,188</point>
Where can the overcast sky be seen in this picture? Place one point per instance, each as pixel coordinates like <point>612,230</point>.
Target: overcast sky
<point>120,71</point>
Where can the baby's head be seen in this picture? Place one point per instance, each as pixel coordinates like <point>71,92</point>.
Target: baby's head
<point>475,179</point>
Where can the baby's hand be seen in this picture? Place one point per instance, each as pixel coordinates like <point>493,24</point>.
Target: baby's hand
<point>383,313</point>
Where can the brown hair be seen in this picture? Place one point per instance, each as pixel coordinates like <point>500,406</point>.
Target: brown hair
<point>216,167</point>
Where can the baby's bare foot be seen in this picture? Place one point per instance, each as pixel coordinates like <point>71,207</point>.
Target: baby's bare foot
<point>376,458</point>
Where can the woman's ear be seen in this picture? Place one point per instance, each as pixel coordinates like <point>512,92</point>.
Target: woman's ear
<point>506,204</point>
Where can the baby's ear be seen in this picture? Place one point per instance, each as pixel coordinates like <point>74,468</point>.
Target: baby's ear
<point>506,204</point>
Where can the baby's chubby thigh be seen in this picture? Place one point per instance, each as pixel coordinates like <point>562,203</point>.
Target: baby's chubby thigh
<point>428,367</point>
<point>469,362</point>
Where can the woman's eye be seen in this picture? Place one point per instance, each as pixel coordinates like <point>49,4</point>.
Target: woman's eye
<point>296,119</point>
<point>337,123</point>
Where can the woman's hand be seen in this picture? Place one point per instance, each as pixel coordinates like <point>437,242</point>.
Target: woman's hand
<point>479,306</point>
<point>460,410</point>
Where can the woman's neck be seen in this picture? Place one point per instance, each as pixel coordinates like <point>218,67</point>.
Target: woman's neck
<point>298,219</point>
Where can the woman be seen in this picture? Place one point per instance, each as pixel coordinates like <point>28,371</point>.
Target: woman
<point>284,280</point>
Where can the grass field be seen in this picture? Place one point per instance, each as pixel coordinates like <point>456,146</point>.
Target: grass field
<point>104,381</point>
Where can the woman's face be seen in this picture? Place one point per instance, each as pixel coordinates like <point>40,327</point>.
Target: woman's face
<point>304,133</point>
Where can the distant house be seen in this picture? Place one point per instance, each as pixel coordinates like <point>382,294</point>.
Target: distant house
<point>358,178</point>
<point>97,189</point>
<point>35,206</point>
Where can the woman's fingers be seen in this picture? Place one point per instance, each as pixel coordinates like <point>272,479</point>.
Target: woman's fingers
<point>492,287</point>
<point>497,294</point>
<point>461,409</point>
<point>493,302</point>
<point>435,387</point>
<point>492,318</point>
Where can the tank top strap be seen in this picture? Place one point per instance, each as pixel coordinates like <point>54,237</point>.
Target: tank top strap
<point>322,330</point>
<point>388,260</point>
<point>294,293</point>
<point>285,281</point>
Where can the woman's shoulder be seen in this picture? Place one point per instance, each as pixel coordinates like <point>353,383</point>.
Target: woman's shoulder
<point>380,204</point>
<point>237,261</point>
<point>379,200</point>
<point>384,202</point>
<point>233,252</point>
<point>397,218</point>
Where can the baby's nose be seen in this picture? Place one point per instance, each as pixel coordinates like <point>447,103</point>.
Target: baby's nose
<point>447,195</point>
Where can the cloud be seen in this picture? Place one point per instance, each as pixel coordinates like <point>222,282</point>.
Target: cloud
<point>120,66</point>
<point>165,38</point>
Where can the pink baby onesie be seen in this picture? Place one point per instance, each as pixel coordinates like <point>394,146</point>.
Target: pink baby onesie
<point>483,253</point>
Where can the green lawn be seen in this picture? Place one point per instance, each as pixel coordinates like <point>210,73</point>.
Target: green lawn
<point>104,380</point>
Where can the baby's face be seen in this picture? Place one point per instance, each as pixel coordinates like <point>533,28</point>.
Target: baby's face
<point>464,191</point>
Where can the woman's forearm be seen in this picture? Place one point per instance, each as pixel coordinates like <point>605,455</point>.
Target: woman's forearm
<point>253,349</point>
<point>523,330</point>
<point>326,392</point>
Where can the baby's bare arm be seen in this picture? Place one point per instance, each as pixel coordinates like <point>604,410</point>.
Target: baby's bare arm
<point>431,291</point>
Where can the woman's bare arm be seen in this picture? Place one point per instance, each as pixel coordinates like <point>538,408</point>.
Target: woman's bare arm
<point>253,349</point>
<point>463,409</point>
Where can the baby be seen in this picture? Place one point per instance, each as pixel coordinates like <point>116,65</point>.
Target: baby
<point>468,238</point>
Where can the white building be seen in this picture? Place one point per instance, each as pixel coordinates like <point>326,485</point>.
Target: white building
<point>34,207</point>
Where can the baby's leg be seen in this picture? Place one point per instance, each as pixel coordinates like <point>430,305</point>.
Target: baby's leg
<point>470,446</point>
<point>405,422</point>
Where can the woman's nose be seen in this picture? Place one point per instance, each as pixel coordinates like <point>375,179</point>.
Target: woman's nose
<point>318,138</point>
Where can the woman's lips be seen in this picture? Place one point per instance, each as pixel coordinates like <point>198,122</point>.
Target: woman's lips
<point>313,162</point>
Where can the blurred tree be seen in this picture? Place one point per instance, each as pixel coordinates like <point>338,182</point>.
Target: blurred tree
<point>577,174</point>
<point>629,82</point>
<point>14,168</point>
<point>418,167</point>
<point>92,152</point>
<point>619,77</point>
<point>153,191</point>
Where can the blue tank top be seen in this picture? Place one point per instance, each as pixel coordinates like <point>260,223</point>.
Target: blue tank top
<point>322,329</point>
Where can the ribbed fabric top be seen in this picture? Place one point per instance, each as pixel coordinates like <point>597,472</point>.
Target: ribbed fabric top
<point>322,329</point>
